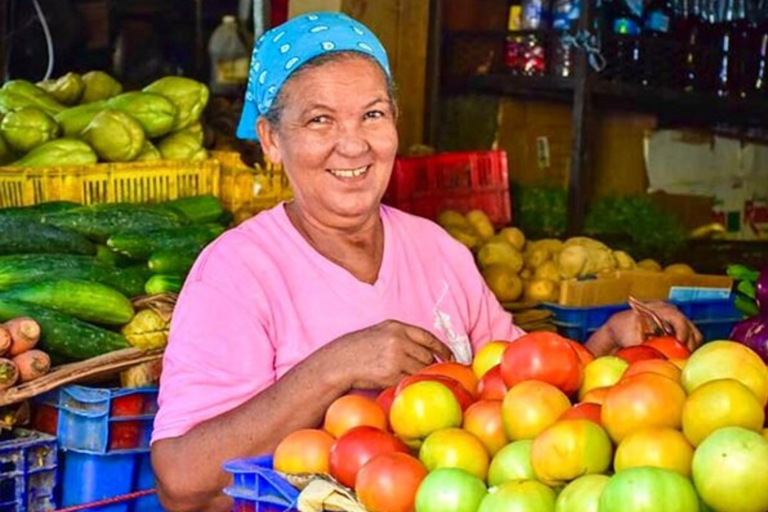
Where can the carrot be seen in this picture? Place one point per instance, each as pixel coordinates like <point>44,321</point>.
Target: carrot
<point>32,364</point>
<point>5,340</point>
<point>9,374</point>
<point>25,333</point>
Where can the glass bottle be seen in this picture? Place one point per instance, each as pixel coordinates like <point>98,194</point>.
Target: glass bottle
<point>627,26</point>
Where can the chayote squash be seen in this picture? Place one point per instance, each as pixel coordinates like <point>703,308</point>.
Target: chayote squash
<point>67,89</point>
<point>27,128</point>
<point>115,136</point>
<point>194,130</point>
<point>6,155</point>
<point>17,94</point>
<point>58,152</point>
<point>154,112</point>
<point>149,153</point>
<point>99,86</point>
<point>181,146</point>
<point>74,120</point>
<point>189,96</point>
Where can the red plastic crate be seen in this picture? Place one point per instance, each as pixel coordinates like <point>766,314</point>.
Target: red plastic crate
<point>427,185</point>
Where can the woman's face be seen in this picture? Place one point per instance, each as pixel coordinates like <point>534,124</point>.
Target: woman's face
<point>337,139</point>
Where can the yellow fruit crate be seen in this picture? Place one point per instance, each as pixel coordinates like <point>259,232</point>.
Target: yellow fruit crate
<point>109,182</point>
<point>248,190</point>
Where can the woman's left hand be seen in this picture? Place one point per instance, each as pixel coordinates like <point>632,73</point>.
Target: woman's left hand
<point>624,329</point>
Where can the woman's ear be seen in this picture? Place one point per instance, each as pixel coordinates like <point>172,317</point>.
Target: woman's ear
<point>268,138</point>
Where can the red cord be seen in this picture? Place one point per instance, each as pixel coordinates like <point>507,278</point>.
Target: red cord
<point>108,501</point>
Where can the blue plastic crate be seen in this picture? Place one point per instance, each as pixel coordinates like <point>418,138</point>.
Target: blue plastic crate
<point>98,420</point>
<point>28,471</point>
<point>256,487</point>
<point>714,317</point>
<point>89,477</point>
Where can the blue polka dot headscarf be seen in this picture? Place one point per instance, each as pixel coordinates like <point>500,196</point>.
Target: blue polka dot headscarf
<point>283,49</point>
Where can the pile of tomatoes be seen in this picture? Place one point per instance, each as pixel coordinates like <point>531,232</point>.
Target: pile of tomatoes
<point>540,425</point>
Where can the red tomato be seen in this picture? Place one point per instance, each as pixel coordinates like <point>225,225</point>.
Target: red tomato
<point>462,373</point>
<point>638,353</point>
<point>355,448</point>
<point>385,399</point>
<point>583,411</point>
<point>350,411</point>
<point>304,451</point>
<point>543,356</point>
<point>389,482</point>
<point>670,346</point>
<point>491,385</point>
<point>585,356</point>
<point>463,396</point>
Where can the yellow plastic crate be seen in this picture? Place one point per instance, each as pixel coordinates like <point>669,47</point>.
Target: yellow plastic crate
<point>248,190</point>
<point>109,182</point>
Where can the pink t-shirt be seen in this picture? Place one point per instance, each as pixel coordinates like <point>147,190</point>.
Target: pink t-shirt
<point>260,299</point>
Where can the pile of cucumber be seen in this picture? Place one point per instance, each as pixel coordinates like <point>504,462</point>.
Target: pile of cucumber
<point>74,268</point>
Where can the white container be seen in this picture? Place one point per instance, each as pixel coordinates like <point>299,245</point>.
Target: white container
<point>230,59</point>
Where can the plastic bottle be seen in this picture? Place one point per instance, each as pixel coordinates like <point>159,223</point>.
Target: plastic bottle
<point>513,58</point>
<point>627,25</point>
<point>565,15</point>
<point>229,57</point>
<point>535,18</point>
<point>657,50</point>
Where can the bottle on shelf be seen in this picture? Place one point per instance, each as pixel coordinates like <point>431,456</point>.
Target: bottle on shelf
<point>230,57</point>
<point>759,81</point>
<point>627,27</point>
<point>733,44</point>
<point>565,14</point>
<point>535,20</point>
<point>513,58</point>
<point>656,43</point>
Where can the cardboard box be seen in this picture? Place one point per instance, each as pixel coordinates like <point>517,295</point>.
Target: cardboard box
<point>617,287</point>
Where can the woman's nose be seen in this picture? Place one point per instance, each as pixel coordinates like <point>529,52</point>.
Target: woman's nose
<point>352,140</point>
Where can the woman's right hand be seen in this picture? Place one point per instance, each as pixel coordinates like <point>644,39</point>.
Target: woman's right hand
<point>381,355</point>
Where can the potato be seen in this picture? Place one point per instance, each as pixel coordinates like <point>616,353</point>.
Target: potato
<point>599,257</point>
<point>649,265</point>
<point>573,261</point>
<point>465,235</point>
<point>624,260</point>
<point>515,237</point>
<point>553,245</point>
<point>541,290</point>
<point>679,269</point>
<point>482,224</point>
<point>536,257</point>
<point>548,270</point>
<point>526,273</point>
<point>503,282</point>
<point>451,218</point>
<point>498,251</point>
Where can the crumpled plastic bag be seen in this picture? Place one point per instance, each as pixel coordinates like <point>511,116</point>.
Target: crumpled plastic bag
<point>321,493</point>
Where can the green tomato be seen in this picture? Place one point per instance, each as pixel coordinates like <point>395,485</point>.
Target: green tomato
<point>730,470</point>
<point>450,490</point>
<point>513,462</point>
<point>649,489</point>
<point>519,496</point>
<point>582,495</point>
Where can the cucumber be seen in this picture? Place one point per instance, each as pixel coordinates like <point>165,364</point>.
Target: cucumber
<point>161,283</point>
<point>88,301</point>
<point>99,221</point>
<point>197,209</point>
<point>30,268</point>
<point>172,261</point>
<point>25,235</point>
<point>63,335</point>
<point>38,210</point>
<point>141,244</point>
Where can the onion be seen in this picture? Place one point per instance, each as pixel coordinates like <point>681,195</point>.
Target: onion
<point>761,290</point>
<point>753,333</point>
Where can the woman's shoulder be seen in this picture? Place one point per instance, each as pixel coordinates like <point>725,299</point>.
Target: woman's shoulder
<point>424,232</point>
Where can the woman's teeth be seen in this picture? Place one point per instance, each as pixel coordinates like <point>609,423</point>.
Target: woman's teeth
<point>349,173</point>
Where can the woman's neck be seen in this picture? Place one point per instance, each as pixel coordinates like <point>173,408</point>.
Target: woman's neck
<point>359,250</point>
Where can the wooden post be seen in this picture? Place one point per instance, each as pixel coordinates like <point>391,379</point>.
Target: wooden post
<point>432,103</point>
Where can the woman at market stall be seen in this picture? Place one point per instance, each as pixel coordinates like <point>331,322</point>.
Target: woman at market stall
<point>329,293</point>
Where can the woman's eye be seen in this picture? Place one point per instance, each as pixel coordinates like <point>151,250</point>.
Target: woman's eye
<point>374,114</point>
<point>319,120</point>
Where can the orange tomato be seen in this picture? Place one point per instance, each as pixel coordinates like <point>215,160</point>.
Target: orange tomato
<point>488,356</point>
<point>669,346</point>
<point>491,385</point>
<point>583,352</point>
<point>350,411</point>
<point>531,406</point>
<point>657,447</point>
<point>385,398</point>
<point>660,366</point>
<point>483,419</point>
<point>457,371</point>
<point>718,404</point>
<point>596,396</point>
<point>389,482</point>
<point>583,411</point>
<point>304,451</point>
<point>455,448</point>
<point>642,401</point>
<point>638,353</point>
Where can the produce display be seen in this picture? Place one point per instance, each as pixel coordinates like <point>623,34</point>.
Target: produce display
<point>81,120</point>
<point>516,268</point>
<point>540,425</point>
<point>20,361</point>
<point>752,300</point>
<point>79,270</point>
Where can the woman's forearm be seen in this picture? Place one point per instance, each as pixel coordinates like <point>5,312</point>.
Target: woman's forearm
<point>188,468</point>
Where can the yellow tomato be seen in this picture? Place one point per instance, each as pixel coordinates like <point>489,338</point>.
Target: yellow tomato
<point>718,404</point>
<point>602,372</point>
<point>658,447</point>
<point>530,407</point>
<point>455,448</point>
<point>422,408</point>
<point>304,451</point>
<point>488,356</point>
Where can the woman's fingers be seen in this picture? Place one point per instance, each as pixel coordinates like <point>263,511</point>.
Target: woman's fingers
<point>427,340</point>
